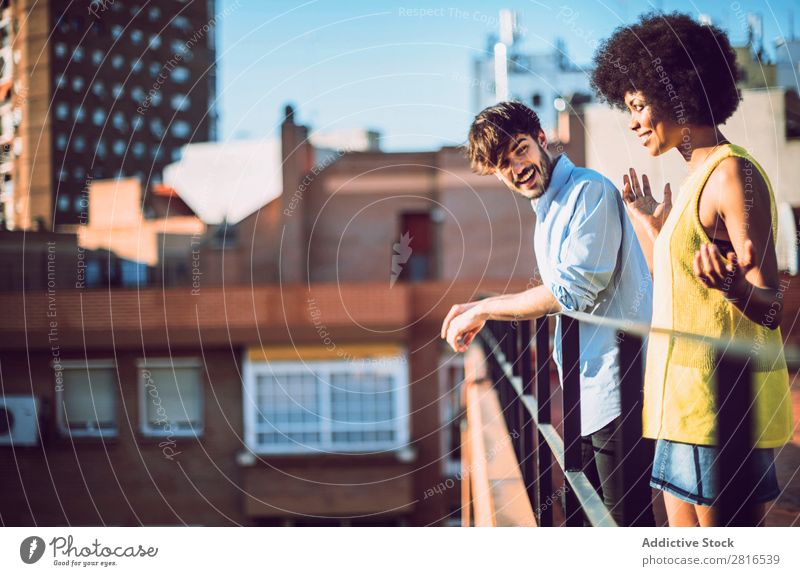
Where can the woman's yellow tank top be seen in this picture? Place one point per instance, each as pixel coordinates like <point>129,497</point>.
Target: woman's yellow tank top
<point>679,389</point>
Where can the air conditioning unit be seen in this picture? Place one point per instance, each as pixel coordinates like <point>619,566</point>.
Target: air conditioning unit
<point>19,421</point>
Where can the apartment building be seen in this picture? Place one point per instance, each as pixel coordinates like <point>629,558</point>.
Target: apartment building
<point>98,90</point>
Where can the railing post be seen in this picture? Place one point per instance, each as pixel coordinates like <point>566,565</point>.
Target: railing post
<point>570,350</point>
<point>544,455</point>
<point>505,393</point>
<point>493,362</point>
<point>492,353</point>
<point>632,447</point>
<point>526,438</point>
<point>735,505</point>
<point>515,405</point>
<point>499,378</point>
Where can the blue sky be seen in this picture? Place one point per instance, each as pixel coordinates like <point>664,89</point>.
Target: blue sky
<point>382,65</point>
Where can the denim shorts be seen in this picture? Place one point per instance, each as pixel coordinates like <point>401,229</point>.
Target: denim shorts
<point>689,471</point>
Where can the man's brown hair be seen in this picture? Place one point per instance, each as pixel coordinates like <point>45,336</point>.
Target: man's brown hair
<point>492,129</point>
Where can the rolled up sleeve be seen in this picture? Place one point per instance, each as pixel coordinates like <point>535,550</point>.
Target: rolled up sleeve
<point>588,259</point>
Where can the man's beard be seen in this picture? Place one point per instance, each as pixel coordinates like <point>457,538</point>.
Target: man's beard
<point>546,169</point>
<point>545,172</point>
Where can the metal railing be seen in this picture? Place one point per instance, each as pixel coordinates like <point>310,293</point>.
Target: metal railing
<point>523,384</point>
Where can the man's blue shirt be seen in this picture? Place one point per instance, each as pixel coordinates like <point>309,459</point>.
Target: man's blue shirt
<point>590,259</point>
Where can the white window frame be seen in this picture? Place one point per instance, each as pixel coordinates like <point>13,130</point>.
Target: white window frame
<point>157,431</point>
<point>396,366</point>
<point>61,424</point>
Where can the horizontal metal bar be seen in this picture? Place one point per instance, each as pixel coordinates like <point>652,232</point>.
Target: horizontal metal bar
<point>594,508</point>
<point>556,442</point>
<point>592,505</point>
<point>643,330</point>
<point>532,406</point>
<point>742,349</point>
<point>590,501</point>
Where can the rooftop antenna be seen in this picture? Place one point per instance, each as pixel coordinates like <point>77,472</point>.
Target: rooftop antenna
<point>561,54</point>
<point>507,27</point>
<point>500,72</point>
<point>755,27</point>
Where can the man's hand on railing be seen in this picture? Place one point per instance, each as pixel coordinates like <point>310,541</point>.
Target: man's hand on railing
<point>461,325</point>
<point>464,321</point>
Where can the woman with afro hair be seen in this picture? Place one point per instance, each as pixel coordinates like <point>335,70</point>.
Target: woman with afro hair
<point>712,255</point>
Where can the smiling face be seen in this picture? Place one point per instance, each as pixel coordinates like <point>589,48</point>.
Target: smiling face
<point>655,134</point>
<point>525,166</point>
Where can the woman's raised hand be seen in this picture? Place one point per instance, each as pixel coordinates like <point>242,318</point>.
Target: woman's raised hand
<point>646,213</point>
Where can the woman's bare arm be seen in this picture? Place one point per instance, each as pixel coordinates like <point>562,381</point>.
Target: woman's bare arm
<point>738,197</point>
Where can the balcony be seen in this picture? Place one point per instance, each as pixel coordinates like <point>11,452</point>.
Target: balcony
<point>521,443</point>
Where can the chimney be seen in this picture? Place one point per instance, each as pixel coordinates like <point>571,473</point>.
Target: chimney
<point>297,156</point>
